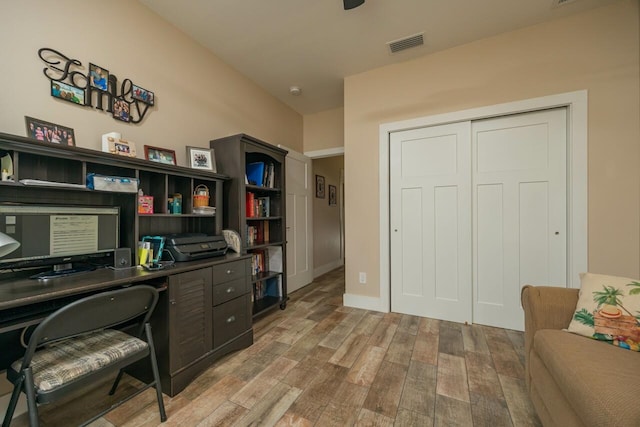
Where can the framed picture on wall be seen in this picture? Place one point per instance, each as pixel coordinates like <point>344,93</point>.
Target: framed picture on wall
<point>121,110</point>
<point>141,94</point>
<point>66,92</point>
<point>333,196</point>
<point>320,186</point>
<point>98,77</point>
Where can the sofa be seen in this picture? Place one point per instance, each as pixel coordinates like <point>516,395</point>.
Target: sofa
<point>575,380</point>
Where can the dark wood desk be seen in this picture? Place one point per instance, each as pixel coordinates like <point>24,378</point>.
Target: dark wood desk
<point>25,302</point>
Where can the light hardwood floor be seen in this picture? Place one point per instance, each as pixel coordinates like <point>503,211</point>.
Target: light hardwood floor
<point>318,363</point>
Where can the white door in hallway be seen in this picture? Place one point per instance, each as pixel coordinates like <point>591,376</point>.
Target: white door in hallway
<point>430,214</point>
<point>299,221</point>
<point>520,211</point>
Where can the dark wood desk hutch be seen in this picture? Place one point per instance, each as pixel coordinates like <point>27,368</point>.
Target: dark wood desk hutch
<point>255,207</point>
<point>205,309</point>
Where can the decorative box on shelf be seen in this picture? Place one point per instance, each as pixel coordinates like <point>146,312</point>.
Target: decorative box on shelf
<point>116,184</point>
<point>145,204</point>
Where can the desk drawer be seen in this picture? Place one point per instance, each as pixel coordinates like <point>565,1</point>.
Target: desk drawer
<point>229,290</point>
<point>226,272</point>
<point>231,319</point>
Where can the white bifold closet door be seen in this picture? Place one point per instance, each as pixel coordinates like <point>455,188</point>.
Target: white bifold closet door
<point>478,209</point>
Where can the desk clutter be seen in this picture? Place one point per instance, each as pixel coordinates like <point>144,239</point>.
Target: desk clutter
<point>179,247</point>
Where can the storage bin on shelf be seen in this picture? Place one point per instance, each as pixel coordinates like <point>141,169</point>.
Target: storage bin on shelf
<point>201,201</point>
<point>201,196</point>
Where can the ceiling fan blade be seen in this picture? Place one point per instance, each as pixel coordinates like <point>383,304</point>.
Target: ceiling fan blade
<point>350,4</point>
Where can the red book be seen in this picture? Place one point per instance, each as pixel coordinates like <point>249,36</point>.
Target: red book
<point>250,201</point>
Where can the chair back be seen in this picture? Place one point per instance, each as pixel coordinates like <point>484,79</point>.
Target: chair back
<point>100,311</point>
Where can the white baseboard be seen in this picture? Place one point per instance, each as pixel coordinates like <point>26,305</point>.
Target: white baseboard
<point>363,302</point>
<point>317,272</point>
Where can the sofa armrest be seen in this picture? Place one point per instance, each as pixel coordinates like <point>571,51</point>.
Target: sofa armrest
<point>545,307</point>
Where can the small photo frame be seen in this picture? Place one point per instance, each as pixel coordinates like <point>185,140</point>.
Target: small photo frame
<point>202,158</point>
<point>98,77</point>
<point>320,186</point>
<point>121,110</point>
<point>49,132</point>
<point>160,155</point>
<point>333,196</point>
<point>67,92</point>
<point>142,94</point>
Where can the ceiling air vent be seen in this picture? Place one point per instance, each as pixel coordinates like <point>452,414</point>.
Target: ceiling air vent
<point>406,43</point>
<point>557,3</point>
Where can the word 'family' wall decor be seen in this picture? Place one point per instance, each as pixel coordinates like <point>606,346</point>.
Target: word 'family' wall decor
<point>72,82</point>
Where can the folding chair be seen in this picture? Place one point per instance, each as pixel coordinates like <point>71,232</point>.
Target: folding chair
<point>76,346</point>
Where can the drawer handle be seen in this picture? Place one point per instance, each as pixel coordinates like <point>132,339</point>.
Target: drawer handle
<point>229,290</point>
<point>231,319</point>
<point>229,271</point>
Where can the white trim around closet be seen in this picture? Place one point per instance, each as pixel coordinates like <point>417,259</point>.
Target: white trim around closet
<point>576,104</point>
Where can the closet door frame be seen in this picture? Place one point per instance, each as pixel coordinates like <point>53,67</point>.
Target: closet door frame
<point>576,105</point>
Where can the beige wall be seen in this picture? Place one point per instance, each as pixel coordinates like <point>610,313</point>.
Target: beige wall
<point>324,130</point>
<point>198,97</point>
<point>596,50</point>
<point>326,219</point>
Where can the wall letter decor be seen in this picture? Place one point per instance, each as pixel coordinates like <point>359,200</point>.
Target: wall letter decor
<point>98,87</point>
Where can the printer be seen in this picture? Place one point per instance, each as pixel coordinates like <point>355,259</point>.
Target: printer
<point>193,246</point>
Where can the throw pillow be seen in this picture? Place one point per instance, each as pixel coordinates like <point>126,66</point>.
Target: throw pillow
<point>608,309</point>
<point>233,240</point>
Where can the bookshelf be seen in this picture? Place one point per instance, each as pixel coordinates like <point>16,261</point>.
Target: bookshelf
<point>254,206</point>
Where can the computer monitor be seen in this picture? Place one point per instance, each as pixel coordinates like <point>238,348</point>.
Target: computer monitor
<point>65,238</point>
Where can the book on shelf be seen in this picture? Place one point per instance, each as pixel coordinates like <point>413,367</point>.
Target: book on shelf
<point>258,233</point>
<point>271,287</point>
<point>259,262</point>
<point>261,174</point>
<point>255,173</point>
<point>263,208</point>
<point>250,202</point>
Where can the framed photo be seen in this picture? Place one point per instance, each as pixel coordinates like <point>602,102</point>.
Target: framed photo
<point>121,147</point>
<point>142,94</point>
<point>67,92</point>
<point>98,77</point>
<point>160,155</point>
<point>202,158</point>
<point>49,132</point>
<point>320,186</point>
<point>333,196</point>
<point>121,110</point>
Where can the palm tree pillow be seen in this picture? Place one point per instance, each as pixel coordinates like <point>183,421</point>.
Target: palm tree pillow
<point>608,309</point>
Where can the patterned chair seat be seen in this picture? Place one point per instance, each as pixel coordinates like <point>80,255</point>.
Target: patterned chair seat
<point>65,361</point>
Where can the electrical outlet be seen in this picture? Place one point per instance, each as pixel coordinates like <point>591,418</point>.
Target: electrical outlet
<point>363,277</point>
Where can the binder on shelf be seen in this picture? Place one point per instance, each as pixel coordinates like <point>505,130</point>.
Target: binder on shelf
<point>255,173</point>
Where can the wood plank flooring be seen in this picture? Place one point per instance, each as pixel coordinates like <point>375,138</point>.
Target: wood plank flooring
<point>318,363</point>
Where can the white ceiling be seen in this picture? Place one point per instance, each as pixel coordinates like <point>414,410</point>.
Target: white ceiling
<point>314,44</point>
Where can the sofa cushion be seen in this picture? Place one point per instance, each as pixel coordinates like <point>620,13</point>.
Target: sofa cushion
<point>598,380</point>
<point>608,309</point>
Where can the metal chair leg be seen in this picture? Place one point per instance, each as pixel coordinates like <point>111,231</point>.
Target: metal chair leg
<point>30,391</point>
<point>156,374</point>
<point>116,382</point>
<point>15,395</point>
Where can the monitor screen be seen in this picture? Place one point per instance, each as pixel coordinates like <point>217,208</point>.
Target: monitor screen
<point>54,234</point>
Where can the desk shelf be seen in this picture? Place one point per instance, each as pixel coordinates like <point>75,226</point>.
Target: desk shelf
<point>56,163</point>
